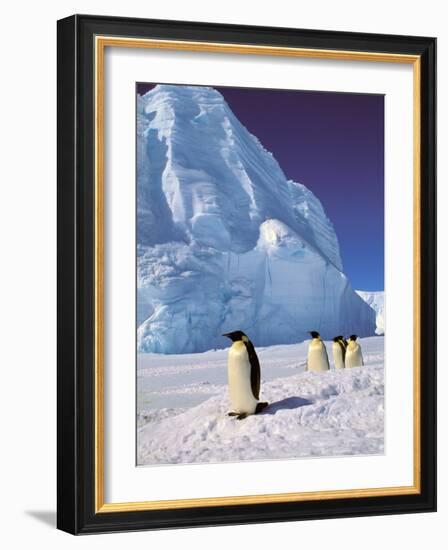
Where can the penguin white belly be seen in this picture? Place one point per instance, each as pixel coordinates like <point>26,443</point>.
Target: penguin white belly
<point>353,356</point>
<point>338,357</point>
<point>317,357</point>
<point>240,389</point>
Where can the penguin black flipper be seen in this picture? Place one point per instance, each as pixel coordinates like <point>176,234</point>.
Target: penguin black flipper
<point>326,353</point>
<point>343,346</point>
<point>261,406</point>
<point>255,375</point>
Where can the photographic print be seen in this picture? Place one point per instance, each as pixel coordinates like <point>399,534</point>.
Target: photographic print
<point>260,274</point>
<point>246,268</point>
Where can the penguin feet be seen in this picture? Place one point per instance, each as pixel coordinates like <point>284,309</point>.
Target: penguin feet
<point>239,416</point>
<point>261,406</point>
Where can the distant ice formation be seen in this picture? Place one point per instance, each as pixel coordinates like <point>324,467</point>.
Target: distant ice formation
<point>376,302</point>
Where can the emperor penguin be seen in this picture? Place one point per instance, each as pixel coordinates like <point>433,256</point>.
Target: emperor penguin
<point>353,355</point>
<point>339,348</point>
<point>317,354</point>
<point>243,369</point>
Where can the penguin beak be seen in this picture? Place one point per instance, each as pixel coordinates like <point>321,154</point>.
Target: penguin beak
<point>227,334</point>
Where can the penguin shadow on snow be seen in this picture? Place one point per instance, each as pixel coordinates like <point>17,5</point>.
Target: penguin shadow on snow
<point>288,403</point>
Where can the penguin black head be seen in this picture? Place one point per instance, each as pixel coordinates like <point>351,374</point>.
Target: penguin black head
<point>336,339</point>
<point>353,337</point>
<point>314,334</point>
<point>237,336</point>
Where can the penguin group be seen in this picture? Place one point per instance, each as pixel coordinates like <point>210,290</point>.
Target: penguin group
<point>346,354</point>
<point>243,368</point>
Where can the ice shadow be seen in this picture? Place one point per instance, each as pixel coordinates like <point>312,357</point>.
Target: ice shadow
<point>287,404</point>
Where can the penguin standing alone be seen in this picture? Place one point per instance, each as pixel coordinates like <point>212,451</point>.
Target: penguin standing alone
<point>317,354</point>
<point>243,370</point>
<point>353,355</point>
<point>339,348</point>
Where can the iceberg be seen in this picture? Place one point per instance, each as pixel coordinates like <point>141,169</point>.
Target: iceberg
<point>375,299</point>
<point>224,240</point>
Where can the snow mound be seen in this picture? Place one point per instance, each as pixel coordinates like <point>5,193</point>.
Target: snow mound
<point>224,240</point>
<point>376,302</point>
<point>337,413</point>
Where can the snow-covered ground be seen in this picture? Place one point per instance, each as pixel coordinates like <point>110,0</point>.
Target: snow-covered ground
<point>183,401</point>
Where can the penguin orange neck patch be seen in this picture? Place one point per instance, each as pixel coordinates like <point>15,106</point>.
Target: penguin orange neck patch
<point>238,344</point>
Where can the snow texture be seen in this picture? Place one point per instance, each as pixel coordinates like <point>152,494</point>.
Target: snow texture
<point>224,241</point>
<point>376,302</point>
<point>335,413</point>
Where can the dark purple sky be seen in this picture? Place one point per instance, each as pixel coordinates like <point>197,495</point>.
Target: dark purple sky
<point>334,144</point>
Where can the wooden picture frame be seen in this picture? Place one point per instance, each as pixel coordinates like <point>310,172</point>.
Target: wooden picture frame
<point>82,40</point>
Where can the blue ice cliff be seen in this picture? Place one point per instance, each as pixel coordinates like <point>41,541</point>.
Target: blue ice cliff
<point>224,241</point>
